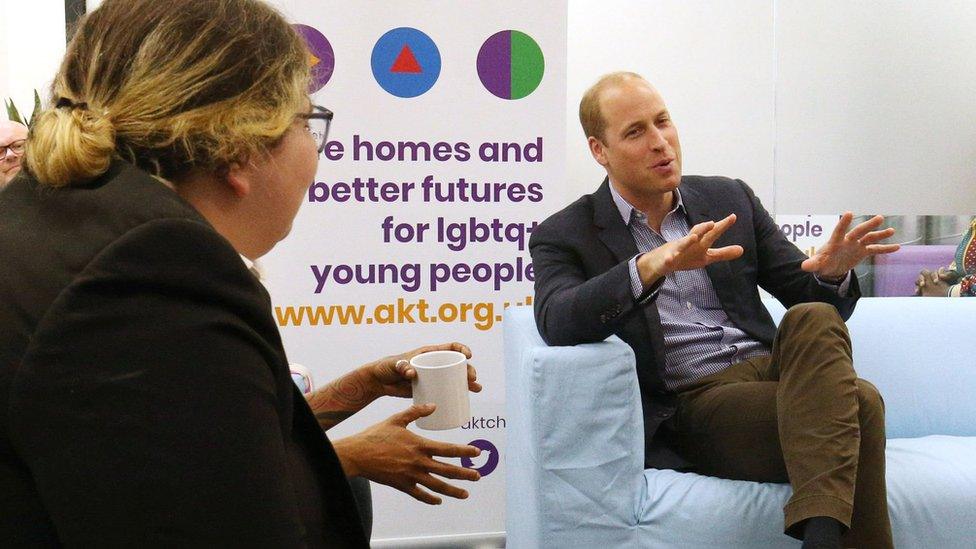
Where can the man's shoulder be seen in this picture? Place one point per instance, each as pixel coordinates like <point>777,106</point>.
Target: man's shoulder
<point>580,209</point>
<point>570,224</point>
<point>734,194</point>
<point>711,184</point>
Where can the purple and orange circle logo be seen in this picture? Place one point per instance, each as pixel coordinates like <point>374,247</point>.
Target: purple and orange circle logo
<point>490,465</point>
<point>321,57</point>
<point>511,64</point>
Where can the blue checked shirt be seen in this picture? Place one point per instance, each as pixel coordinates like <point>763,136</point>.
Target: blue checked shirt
<point>699,338</point>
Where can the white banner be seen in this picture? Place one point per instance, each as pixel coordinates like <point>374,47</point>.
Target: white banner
<point>808,232</point>
<point>448,144</point>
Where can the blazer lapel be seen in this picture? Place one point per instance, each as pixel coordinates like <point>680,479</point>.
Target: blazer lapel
<point>699,211</point>
<point>616,236</point>
<point>614,233</point>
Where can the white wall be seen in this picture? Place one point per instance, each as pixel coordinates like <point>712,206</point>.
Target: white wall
<point>3,56</point>
<point>712,61</point>
<point>821,106</point>
<point>875,107</point>
<point>31,48</point>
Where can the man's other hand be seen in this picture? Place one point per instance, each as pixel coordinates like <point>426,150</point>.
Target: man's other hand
<point>846,249</point>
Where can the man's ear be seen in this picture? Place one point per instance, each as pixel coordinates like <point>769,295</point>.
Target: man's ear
<point>239,178</point>
<point>598,150</point>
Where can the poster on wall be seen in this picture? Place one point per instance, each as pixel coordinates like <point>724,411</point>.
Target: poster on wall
<point>937,257</point>
<point>446,148</point>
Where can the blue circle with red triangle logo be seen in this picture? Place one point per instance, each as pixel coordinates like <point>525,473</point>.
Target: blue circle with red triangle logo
<point>406,62</point>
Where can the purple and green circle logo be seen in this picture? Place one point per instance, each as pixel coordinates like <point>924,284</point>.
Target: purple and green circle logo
<point>321,57</point>
<point>486,448</point>
<point>511,64</point>
<point>406,62</point>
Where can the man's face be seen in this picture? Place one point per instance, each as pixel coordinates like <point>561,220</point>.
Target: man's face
<point>11,134</point>
<point>640,148</point>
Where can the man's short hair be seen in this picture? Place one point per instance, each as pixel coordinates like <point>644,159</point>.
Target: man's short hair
<point>591,118</point>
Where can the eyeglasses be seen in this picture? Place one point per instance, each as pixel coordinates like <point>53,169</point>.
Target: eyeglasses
<point>17,148</point>
<point>318,123</point>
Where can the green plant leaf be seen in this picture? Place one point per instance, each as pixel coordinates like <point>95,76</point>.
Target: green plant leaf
<point>12,112</point>
<point>37,109</point>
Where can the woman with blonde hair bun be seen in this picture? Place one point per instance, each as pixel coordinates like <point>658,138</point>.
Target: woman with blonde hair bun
<point>145,397</point>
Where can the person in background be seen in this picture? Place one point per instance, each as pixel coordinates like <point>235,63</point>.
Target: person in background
<point>13,135</point>
<point>958,279</point>
<point>145,396</point>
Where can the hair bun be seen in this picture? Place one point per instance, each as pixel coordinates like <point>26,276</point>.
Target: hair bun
<point>70,143</point>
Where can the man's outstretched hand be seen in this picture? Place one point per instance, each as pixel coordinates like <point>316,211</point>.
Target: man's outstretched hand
<point>846,249</point>
<point>693,251</point>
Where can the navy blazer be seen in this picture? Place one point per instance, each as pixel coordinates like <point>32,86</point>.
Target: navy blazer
<point>145,397</point>
<point>583,290</point>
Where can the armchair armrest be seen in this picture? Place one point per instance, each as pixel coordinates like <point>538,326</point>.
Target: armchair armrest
<point>575,452</point>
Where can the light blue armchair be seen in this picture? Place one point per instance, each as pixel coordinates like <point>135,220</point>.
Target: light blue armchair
<point>575,469</point>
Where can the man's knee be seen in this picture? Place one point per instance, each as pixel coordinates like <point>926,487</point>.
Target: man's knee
<point>870,403</point>
<point>813,310</point>
<point>868,396</point>
<point>820,317</point>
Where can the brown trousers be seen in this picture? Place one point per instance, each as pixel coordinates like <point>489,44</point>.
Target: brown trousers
<point>800,416</point>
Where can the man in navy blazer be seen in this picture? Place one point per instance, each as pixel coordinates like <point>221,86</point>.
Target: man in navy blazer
<point>673,264</point>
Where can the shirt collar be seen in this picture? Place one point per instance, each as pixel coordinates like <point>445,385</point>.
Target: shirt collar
<point>254,267</point>
<point>627,210</point>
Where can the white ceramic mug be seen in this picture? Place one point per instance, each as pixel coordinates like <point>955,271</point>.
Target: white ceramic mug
<point>442,379</point>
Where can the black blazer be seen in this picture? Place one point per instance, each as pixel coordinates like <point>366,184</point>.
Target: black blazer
<point>145,397</point>
<point>582,282</point>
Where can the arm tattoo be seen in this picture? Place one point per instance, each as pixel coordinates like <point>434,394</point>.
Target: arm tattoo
<point>339,400</point>
<point>329,419</point>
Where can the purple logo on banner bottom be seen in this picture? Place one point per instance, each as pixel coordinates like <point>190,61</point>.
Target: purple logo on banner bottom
<point>489,465</point>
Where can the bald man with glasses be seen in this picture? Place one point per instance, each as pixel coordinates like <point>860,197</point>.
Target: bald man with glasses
<point>12,137</point>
